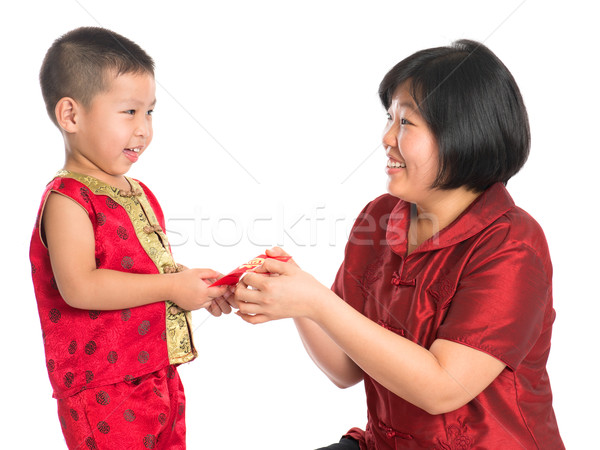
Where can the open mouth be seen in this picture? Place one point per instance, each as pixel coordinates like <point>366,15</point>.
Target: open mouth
<point>395,164</point>
<point>132,153</point>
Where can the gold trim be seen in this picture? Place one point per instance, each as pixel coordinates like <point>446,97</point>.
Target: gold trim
<point>180,344</point>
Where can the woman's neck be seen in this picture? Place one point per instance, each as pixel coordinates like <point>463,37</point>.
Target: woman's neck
<point>440,209</point>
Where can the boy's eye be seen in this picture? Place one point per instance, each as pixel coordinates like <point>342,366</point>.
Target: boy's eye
<point>130,111</point>
<point>389,116</point>
<point>150,112</point>
<point>403,121</point>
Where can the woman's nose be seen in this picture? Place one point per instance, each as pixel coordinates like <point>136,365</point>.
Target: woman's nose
<point>389,137</point>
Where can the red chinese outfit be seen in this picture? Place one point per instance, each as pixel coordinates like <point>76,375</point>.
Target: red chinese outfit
<point>100,362</point>
<point>485,282</point>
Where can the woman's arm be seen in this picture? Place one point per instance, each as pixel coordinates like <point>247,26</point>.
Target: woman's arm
<point>327,355</point>
<point>439,379</point>
<point>70,239</point>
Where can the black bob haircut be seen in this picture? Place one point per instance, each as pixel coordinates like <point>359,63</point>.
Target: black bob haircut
<point>474,109</point>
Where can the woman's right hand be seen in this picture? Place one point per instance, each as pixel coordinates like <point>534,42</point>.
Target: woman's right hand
<point>278,251</point>
<point>278,290</point>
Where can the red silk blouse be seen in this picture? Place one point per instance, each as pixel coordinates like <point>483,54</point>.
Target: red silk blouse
<point>485,282</point>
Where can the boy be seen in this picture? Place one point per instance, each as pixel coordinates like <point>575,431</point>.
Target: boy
<point>102,267</point>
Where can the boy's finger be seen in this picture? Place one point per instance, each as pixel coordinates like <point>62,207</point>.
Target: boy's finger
<point>209,273</point>
<point>216,291</point>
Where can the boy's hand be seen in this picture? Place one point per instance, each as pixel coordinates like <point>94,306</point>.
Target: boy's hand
<point>223,304</point>
<point>191,291</point>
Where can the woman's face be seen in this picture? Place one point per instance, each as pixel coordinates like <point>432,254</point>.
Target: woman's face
<point>411,149</point>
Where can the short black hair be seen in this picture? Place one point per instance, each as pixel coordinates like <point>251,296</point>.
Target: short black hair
<point>474,109</point>
<point>79,63</point>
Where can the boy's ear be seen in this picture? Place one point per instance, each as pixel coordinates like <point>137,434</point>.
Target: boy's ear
<point>66,112</point>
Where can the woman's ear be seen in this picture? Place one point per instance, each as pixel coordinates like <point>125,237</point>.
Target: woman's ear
<point>66,112</point>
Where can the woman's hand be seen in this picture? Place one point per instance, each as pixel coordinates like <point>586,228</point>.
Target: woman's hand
<point>278,290</point>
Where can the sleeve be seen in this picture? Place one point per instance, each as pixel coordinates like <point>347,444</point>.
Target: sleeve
<point>362,257</point>
<point>349,295</point>
<point>501,300</point>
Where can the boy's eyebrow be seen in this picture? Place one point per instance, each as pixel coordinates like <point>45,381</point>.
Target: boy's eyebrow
<point>135,100</point>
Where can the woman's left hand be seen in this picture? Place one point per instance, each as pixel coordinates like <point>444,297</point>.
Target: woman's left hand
<point>278,290</point>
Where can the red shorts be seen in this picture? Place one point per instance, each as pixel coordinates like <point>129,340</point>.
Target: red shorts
<point>141,413</point>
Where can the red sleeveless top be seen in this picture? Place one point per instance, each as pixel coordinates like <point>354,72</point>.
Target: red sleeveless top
<point>85,348</point>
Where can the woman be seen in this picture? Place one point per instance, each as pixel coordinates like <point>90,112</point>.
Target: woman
<point>443,304</point>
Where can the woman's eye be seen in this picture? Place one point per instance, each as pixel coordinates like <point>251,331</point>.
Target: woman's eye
<point>403,121</point>
<point>150,112</point>
<point>389,116</point>
<point>130,111</point>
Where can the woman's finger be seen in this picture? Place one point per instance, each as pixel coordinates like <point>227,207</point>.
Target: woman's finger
<point>249,308</point>
<point>272,265</point>
<point>278,251</point>
<point>243,294</point>
<point>253,281</point>
<point>253,319</point>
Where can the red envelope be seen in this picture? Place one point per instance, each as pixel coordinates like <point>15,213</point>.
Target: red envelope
<point>234,276</point>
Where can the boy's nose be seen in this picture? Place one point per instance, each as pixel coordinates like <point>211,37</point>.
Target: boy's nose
<point>144,127</point>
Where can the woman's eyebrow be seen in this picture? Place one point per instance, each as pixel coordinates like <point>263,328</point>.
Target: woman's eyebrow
<point>409,105</point>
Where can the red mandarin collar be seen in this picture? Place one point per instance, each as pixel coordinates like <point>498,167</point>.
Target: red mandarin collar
<point>485,209</point>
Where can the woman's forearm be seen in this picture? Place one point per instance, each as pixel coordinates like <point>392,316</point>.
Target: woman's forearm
<point>342,341</point>
<point>327,355</point>
<point>437,382</point>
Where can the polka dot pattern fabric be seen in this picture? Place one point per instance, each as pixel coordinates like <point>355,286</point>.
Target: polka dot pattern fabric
<point>146,412</point>
<point>86,349</point>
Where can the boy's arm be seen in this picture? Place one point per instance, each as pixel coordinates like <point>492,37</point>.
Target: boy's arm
<point>71,244</point>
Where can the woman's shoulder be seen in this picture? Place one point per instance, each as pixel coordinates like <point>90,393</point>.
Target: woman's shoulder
<point>522,227</point>
<point>495,215</point>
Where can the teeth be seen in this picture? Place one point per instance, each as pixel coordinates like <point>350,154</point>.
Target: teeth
<point>395,165</point>
<point>137,150</point>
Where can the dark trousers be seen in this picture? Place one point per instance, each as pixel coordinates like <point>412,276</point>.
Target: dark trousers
<point>344,444</point>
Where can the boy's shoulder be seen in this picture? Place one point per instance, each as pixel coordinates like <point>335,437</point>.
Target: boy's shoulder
<point>95,195</point>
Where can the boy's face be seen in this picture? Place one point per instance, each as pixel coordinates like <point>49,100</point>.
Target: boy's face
<point>115,129</point>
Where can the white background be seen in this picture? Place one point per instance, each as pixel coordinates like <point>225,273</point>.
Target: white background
<point>268,115</point>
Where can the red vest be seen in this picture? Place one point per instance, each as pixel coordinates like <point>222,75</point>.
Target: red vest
<point>85,349</point>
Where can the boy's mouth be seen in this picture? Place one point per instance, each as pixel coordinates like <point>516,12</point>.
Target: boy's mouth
<point>132,153</point>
